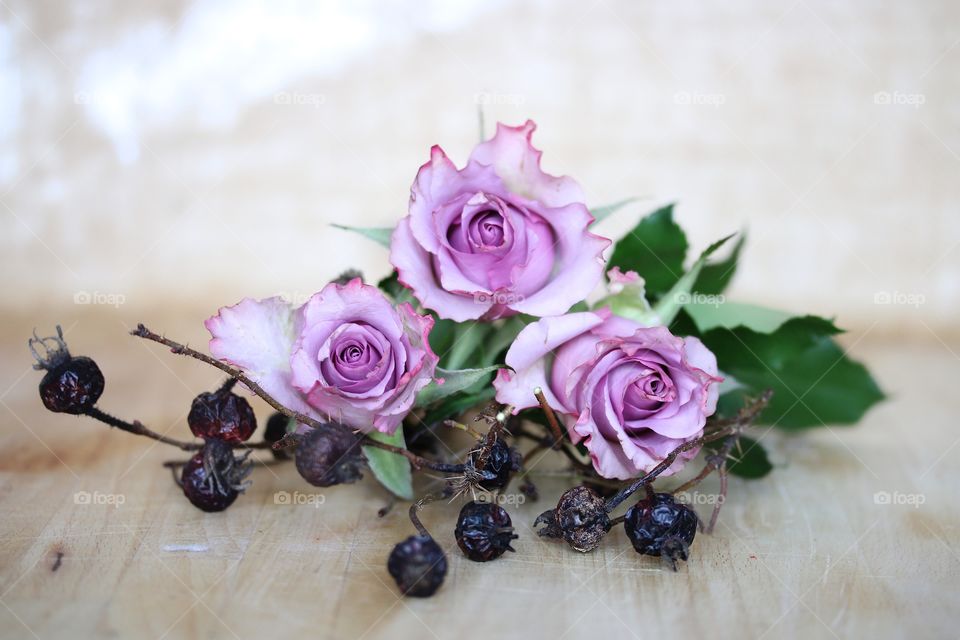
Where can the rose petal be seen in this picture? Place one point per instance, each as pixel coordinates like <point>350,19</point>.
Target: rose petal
<point>415,270</point>
<point>526,357</point>
<point>257,337</point>
<point>517,163</point>
<point>578,266</point>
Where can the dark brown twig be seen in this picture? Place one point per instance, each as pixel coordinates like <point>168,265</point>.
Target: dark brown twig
<point>551,417</point>
<point>417,462</point>
<point>726,428</point>
<point>137,428</point>
<point>419,504</point>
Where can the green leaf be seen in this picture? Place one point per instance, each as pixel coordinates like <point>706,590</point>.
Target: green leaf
<point>380,235</point>
<point>442,336</point>
<point>468,338</point>
<point>391,469</point>
<point>813,380</point>
<point>708,316</point>
<point>655,249</point>
<point>750,461</point>
<point>501,338</point>
<point>600,213</point>
<point>457,404</point>
<point>715,276</point>
<point>392,287</point>
<point>453,381</point>
<point>679,295</point>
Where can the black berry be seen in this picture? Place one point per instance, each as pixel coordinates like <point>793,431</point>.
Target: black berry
<point>222,415</point>
<point>213,478</point>
<point>660,526</point>
<point>484,531</point>
<point>580,518</point>
<point>330,455</point>
<point>71,385</point>
<point>418,565</point>
<point>500,464</point>
<point>275,430</point>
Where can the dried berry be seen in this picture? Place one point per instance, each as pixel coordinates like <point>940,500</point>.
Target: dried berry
<point>500,464</point>
<point>222,415</point>
<point>330,455</point>
<point>275,430</point>
<point>418,565</point>
<point>484,531</point>
<point>71,385</point>
<point>580,518</point>
<point>660,526</point>
<point>213,478</point>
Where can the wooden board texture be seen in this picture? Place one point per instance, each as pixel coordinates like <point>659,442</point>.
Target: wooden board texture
<point>95,540</point>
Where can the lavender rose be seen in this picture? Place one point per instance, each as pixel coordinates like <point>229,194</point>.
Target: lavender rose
<point>346,355</point>
<point>631,393</point>
<point>499,236</point>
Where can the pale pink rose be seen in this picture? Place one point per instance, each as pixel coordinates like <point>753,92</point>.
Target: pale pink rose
<point>499,236</point>
<point>630,393</point>
<point>347,355</point>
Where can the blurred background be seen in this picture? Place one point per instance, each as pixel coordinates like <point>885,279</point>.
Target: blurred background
<point>183,155</point>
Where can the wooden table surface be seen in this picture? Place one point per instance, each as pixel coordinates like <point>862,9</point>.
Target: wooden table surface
<point>855,534</point>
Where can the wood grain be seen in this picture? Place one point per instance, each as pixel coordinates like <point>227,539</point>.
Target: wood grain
<point>806,553</point>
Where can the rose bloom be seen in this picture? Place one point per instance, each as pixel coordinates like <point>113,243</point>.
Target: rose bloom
<point>499,236</point>
<point>347,355</point>
<point>630,393</point>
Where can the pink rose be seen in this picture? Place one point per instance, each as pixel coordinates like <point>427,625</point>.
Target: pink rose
<point>631,393</point>
<point>346,355</point>
<point>499,236</point>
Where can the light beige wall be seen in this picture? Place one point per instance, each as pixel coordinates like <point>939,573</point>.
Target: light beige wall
<point>150,151</point>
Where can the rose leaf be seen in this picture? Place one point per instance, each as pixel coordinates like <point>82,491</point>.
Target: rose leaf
<point>814,382</point>
<point>391,469</point>
<point>749,460</point>
<point>679,295</point>
<point>715,276</point>
<point>453,381</point>
<point>655,249</point>
<point>380,235</point>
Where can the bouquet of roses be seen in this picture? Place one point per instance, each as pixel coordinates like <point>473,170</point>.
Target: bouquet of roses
<point>489,308</point>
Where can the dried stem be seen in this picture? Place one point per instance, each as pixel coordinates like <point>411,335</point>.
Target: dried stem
<point>565,449</point>
<point>419,504</point>
<point>418,462</point>
<point>551,417</point>
<point>453,424</point>
<point>499,421</point>
<point>724,429</point>
<point>136,427</point>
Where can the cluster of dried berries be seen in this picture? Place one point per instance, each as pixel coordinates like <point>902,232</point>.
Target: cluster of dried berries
<point>329,454</point>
